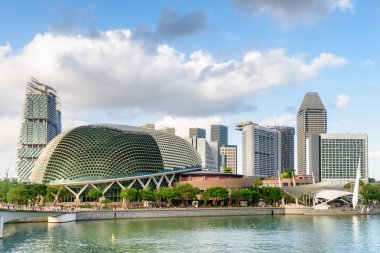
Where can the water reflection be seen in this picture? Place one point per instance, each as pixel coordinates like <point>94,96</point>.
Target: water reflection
<point>219,234</point>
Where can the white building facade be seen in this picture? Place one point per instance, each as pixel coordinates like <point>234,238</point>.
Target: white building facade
<point>228,158</point>
<point>208,151</point>
<point>261,150</point>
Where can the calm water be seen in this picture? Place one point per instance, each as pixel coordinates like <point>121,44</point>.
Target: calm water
<point>221,234</point>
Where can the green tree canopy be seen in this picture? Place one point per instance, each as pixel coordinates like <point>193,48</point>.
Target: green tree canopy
<point>18,194</point>
<point>95,193</point>
<point>217,193</point>
<point>147,194</point>
<point>5,186</point>
<point>186,192</point>
<point>227,170</point>
<point>257,183</point>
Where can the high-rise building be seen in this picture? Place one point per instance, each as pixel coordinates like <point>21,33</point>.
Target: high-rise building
<point>41,122</point>
<point>311,119</point>
<point>261,150</point>
<point>170,130</point>
<point>219,133</point>
<point>228,158</point>
<point>287,146</point>
<point>150,126</point>
<point>197,132</point>
<point>336,156</point>
<point>208,151</point>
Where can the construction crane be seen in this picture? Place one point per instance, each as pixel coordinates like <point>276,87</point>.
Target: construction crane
<point>7,169</point>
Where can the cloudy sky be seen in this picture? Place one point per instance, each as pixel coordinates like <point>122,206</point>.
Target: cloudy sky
<point>193,63</point>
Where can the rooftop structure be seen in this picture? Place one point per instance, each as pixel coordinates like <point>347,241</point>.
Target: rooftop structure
<point>219,133</point>
<point>197,132</point>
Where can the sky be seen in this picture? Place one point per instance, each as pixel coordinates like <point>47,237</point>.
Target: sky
<point>193,63</point>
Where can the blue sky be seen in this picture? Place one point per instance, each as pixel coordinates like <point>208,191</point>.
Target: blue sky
<point>192,63</point>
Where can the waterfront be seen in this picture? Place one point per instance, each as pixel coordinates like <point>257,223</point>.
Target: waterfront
<point>202,234</point>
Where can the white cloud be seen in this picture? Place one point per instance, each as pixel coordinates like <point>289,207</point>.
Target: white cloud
<point>367,63</point>
<point>281,120</point>
<point>342,101</point>
<point>182,124</point>
<point>112,71</point>
<point>292,12</point>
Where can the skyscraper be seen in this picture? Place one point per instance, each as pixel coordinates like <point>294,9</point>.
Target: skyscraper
<point>261,150</point>
<point>197,132</point>
<point>311,119</point>
<point>336,156</point>
<point>41,122</point>
<point>287,146</point>
<point>219,133</point>
<point>208,151</point>
<point>228,158</point>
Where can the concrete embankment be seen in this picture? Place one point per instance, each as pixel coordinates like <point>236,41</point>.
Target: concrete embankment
<point>177,213</point>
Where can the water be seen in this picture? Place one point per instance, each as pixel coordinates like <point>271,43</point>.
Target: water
<point>220,234</point>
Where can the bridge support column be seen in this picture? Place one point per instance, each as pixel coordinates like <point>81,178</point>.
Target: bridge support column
<point>1,226</point>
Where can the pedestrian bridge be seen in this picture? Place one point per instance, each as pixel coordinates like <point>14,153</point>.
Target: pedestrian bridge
<point>14,215</point>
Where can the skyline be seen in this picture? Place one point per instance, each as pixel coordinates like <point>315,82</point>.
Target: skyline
<point>193,64</point>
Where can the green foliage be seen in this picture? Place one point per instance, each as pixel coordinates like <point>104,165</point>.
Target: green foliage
<point>187,192</point>
<point>271,194</point>
<point>147,194</point>
<point>168,193</point>
<point>129,194</point>
<point>95,193</point>
<point>5,186</point>
<point>18,194</point>
<point>371,191</point>
<point>257,183</point>
<point>216,194</point>
<point>36,192</point>
<point>285,175</point>
<point>227,170</point>
<point>106,202</point>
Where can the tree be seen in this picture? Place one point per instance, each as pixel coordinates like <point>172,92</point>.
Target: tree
<point>18,194</point>
<point>5,186</point>
<point>186,192</point>
<point>227,170</point>
<point>55,193</point>
<point>285,175</point>
<point>257,183</point>
<point>168,194</point>
<point>216,194</point>
<point>236,195</point>
<point>129,194</point>
<point>106,202</point>
<point>95,193</point>
<point>36,192</point>
<point>271,194</point>
<point>146,194</point>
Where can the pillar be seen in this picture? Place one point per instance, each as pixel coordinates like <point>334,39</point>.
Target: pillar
<point>1,226</point>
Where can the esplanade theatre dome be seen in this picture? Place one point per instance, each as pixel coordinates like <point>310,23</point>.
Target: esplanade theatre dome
<point>96,152</point>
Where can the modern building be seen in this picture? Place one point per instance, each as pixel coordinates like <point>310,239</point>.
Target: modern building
<point>287,146</point>
<point>208,151</point>
<point>41,122</point>
<point>261,150</point>
<point>197,132</point>
<point>150,126</point>
<point>169,130</point>
<point>100,152</point>
<point>219,133</point>
<point>228,158</point>
<point>311,119</point>
<point>334,157</point>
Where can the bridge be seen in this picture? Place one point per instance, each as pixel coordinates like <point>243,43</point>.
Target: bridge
<point>14,215</point>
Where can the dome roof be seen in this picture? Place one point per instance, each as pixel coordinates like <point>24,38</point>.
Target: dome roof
<point>96,152</point>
